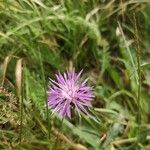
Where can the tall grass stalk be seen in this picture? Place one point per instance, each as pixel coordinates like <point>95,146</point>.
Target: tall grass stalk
<point>20,85</point>
<point>129,52</point>
<point>138,54</point>
<point>45,96</point>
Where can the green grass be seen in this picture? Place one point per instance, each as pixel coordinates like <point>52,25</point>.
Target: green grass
<point>108,39</point>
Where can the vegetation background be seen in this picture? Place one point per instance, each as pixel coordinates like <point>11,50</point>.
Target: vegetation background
<point>109,39</point>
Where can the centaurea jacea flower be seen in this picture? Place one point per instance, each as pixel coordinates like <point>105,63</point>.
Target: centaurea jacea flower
<point>69,92</point>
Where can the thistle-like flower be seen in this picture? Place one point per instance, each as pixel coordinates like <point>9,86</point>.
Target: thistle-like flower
<point>68,93</point>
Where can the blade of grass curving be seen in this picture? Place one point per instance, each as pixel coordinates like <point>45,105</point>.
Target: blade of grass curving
<point>129,52</point>
<point>121,92</point>
<point>89,138</point>
<point>38,2</point>
<point>104,110</point>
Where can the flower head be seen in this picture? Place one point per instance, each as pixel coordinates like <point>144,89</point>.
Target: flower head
<point>69,92</point>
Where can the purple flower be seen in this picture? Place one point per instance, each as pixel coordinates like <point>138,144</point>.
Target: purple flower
<point>69,92</point>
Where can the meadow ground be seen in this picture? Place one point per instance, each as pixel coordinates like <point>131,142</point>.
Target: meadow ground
<point>108,39</point>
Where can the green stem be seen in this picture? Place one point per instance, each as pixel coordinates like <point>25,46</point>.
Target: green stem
<point>138,52</point>
<point>44,83</point>
<point>21,113</point>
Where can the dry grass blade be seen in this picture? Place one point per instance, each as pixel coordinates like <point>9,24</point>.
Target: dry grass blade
<point>123,141</point>
<point>95,10</point>
<point>6,61</point>
<point>75,146</point>
<point>18,74</point>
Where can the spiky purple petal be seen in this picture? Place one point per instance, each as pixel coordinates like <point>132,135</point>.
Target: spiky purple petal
<point>67,91</point>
